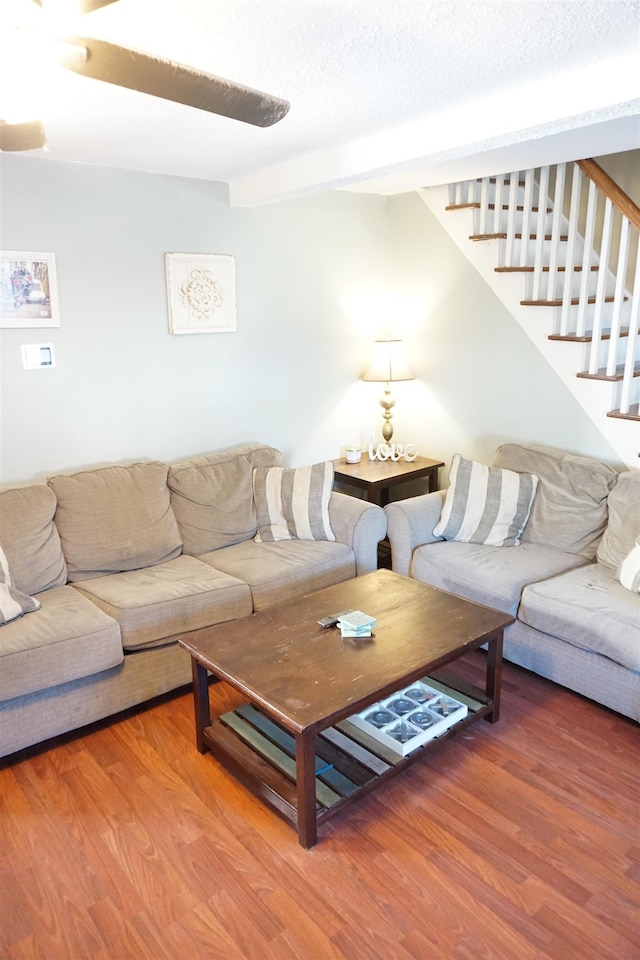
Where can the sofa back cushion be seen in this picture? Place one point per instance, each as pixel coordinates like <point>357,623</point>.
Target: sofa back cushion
<point>212,496</point>
<point>569,511</point>
<point>623,528</point>
<point>30,539</point>
<point>115,518</point>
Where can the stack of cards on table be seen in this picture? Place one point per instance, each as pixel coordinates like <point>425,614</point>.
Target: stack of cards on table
<point>356,624</point>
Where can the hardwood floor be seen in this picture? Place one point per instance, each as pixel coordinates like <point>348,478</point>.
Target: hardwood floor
<point>516,840</point>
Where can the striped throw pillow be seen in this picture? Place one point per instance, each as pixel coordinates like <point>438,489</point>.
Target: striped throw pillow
<point>629,575</point>
<point>292,503</point>
<point>13,603</point>
<point>485,504</point>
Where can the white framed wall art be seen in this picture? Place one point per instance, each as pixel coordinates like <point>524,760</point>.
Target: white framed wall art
<point>201,292</point>
<point>28,290</point>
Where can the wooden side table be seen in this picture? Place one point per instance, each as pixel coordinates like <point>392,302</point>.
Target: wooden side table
<point>377,477</point>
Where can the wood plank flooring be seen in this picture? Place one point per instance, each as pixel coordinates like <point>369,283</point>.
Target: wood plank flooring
<point>512,841</point>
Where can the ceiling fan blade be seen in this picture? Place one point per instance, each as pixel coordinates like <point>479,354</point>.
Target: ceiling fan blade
<point>88,6</point>
<point>81,6</point>
<point>172,81</point>
<point>21,136</point>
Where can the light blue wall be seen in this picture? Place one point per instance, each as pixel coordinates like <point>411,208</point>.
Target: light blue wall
<point>123,387</point>
<point>317,280</point>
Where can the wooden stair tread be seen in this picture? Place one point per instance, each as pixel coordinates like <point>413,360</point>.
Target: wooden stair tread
<point>586,337</point>
<point>475,204</point>
<point>544,269</point>
<point>521,183</point>
<point>633,414</point>
<point>519,208</point>
<point>517,236</point>
<point>558,303</point>
<point>602,373</point>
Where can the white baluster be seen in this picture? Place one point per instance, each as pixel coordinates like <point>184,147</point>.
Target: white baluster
<point>511,218</point>
<point>543,192</point>
<point>527,203</point>
<point>632,340</point>
<point>484,206</point>
<point>497,205</point>
<point>472,197</point>
<point>601,289</point>
<point>574,214</point>
<point>618,296</point>
<point>587,256</point>
<point>555,231</point>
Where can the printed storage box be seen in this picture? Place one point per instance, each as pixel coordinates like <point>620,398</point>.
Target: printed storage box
<point>410,717</point>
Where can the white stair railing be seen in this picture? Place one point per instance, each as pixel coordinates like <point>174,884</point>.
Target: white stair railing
<point>578,250</point>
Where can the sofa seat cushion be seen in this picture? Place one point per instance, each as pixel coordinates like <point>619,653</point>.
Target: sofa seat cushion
<point>590,609</point>
<point>492,576</point>
<point>29,538</point>
<point>569,511</point>
<point>67,638</point>
<point>115,518</point>
<point>285,570</point>
<point>156,604</point>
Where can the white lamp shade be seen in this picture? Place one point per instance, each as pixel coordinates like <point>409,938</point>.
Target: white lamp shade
<point>388,362</point>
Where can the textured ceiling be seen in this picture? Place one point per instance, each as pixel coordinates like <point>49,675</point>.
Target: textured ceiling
<point>386,89</point>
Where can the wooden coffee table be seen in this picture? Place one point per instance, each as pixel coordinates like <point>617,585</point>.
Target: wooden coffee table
<point>293,744</point>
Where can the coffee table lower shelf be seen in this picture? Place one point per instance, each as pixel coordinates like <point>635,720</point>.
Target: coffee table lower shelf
<point>349,762</point>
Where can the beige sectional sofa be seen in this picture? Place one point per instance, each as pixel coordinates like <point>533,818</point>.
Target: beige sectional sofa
<point>124,559</point>
<point>576,623</point>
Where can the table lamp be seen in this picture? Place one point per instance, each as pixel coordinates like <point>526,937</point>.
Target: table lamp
<point>388,365</point>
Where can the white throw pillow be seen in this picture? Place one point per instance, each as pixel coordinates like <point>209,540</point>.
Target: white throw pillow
<point>486,505</point>
<point>13,603</point>
<point>629,574</point>
<point>292,503</point>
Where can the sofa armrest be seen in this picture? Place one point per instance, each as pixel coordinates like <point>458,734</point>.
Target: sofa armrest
<point>359,524</point>
<point>410,523</point>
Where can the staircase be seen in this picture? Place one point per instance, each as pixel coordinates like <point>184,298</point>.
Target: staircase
<point>559,246</point>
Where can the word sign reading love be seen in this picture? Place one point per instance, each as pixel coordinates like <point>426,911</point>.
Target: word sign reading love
<point>392,451</point>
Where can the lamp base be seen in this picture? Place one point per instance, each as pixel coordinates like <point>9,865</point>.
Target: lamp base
<point>387,402</point>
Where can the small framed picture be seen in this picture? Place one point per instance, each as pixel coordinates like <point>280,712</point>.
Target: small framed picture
<point>201,292</point>
<point>28,290</point>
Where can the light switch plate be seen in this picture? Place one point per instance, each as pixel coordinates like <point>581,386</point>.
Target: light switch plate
<point>35,356</point>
